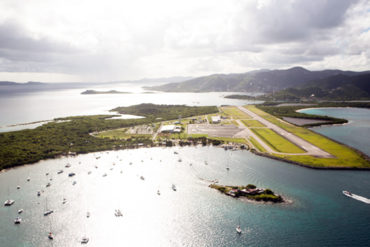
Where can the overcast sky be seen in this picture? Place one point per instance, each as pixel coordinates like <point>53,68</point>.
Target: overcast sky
<point>104,40</point>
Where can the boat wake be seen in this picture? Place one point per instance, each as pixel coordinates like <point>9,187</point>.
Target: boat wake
<point>357,197</point>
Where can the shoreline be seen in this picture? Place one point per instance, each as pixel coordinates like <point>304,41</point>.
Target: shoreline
<point>236,147</point>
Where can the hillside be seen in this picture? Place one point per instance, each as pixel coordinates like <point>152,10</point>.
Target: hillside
<point>255,81</point>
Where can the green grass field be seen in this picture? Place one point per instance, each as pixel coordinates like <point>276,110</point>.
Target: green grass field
<point>235,112</point>
<point>345,156</point>
<point>252,123</point>
<point>276,141</point>
<point>120,134</point>
<point>256,144</point>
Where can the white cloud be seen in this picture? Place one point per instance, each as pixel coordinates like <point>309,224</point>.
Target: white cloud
<point>112,40</point>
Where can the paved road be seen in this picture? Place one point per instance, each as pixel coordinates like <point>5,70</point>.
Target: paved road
<point>310,148</point>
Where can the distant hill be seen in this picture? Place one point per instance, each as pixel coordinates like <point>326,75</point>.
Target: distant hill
<point>256,81</point>
<point>338,87</point>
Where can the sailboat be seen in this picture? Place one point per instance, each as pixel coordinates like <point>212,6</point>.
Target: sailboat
<point>8,202</point>
<point>47,211</point>
<point>238,229</point>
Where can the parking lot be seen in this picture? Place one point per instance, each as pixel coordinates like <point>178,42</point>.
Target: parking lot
<point>214,130</point>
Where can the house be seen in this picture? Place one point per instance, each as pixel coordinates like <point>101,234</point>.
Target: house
<point>216,119</point>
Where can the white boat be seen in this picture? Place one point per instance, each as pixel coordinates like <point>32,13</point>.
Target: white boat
<point>84,240</point>
<point>18,187</point>
<point>88,215</point>
<point>238,229</point>
<point>174,187</point>
<point>9,202</point>
<point>28,179</point>
<point>47,211</point>
<point>60,171</point>
<point>68,165</point>
<point>356,197</point>
<point>17,220</point>
<point>50,236</point>
<point>118,213</point>
<point>20,211</point>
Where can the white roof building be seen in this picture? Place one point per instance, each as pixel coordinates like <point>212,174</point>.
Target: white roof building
<point>170,129</point>
<point>216,119</point>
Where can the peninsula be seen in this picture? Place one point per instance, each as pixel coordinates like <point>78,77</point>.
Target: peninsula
<point>248,127</point>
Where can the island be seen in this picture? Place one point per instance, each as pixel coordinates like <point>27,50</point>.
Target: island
<point>103,92</point>
<point>250,192</point>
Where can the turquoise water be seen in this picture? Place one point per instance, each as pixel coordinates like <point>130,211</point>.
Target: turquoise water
<point>194,215</point>
<point>356,133</point>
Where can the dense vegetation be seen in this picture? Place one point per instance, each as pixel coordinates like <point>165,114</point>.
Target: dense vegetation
<point>291,111</point>
<point>265,195</point>
<point>335,82</point>
<point>73,134</point>
<point>166,112</point>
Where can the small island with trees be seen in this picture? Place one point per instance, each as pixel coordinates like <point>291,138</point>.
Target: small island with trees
<point>250,192</point>
<point>103,92</point>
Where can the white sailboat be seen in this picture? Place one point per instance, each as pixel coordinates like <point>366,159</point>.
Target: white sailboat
<point>47,211</point>
<point>238,229</point>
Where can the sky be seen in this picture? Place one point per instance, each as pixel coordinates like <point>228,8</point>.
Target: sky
<point>112,40</point>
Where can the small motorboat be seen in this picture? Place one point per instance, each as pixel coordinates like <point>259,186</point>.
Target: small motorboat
<point>88,215</point>
<point>71,174</point>
<point>50,236</point>
<point>142,178</point>
<point>84,240</point>
<point>74,183</point>
<point>64,201</point>
<point>17,220</point>
<point>20,211</point>
<point>158,192</point>
<point>104,175</point>
<point>28,179</point>
<point>179,160</point>
<point>38,193</point>
<point>238,230</point>
<point>47,212</point>
<point>9,202</point>
<point>18,187</point>
<point>174,187</point>
<point>48,184</point>
<point>47,174</point>
<point>67,166</point>
<point>60,171</point>
<point>89,173</point>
